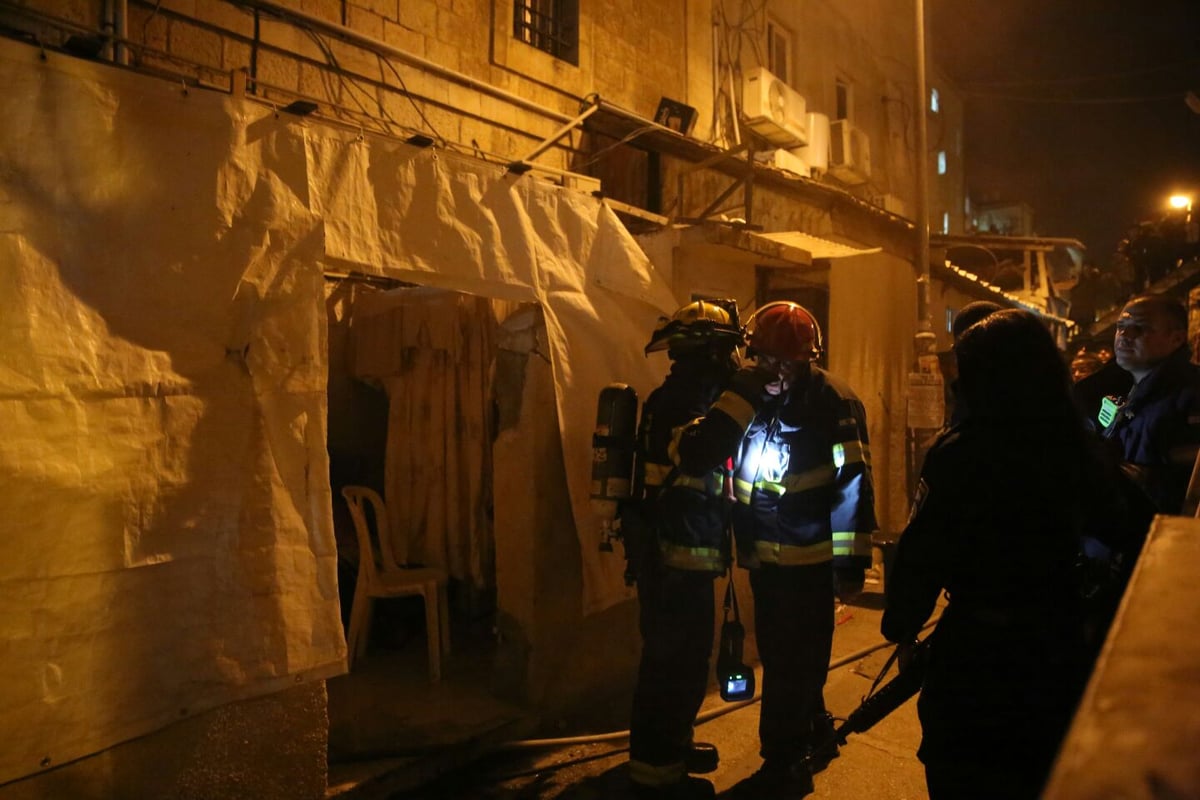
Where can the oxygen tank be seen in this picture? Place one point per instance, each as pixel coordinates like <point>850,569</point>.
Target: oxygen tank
<point>613,444</point>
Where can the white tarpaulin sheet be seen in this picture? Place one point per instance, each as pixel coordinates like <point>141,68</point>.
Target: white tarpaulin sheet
<point>166,540</point>
<point>166,537</point>
<point>436,219</point>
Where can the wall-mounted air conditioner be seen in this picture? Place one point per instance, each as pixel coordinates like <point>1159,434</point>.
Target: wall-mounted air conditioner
<point>849,152</point>
<point>784,159</point>
<point>773,109</point>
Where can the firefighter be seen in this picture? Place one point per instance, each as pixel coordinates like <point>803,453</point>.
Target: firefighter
<point>684,523</point>
<point>802,526</point>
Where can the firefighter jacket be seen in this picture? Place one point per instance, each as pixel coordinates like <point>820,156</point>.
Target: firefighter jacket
<point>687,510</point>
<point>803,479</point>
<point>1157,428</point>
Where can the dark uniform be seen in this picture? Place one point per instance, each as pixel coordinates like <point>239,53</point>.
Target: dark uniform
<point>1004,505</point>
<point>1157,429</point>
<point>997,524</point>
<point>681,547</point>
<point>805,508</point>
<point>805,503</point>
<point>688,514</point>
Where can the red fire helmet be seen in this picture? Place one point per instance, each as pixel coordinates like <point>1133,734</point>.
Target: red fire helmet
<point>784,330</point>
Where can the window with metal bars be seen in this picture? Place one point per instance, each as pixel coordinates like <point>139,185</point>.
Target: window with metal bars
<point>549,25</point>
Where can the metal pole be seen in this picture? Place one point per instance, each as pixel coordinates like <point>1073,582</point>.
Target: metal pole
<point>924,321</point>
<point>553,138</point>
<point>924,380</point>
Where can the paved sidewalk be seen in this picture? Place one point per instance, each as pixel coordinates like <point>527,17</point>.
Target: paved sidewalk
<point>880,763</point>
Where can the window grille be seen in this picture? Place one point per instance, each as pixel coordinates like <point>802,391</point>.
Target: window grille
<point>549,25</point>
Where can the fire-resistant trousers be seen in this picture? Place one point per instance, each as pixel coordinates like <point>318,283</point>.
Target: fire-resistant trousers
<point>676,621</point>
<point>793,620</point>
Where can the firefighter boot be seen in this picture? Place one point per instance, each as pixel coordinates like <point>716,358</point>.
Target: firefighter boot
<point>687,789</point>
<point>775,780</point>
<point>701,758</point>
<point>824,746</point>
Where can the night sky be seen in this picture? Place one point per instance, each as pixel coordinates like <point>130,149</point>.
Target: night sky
<point>1076,107</point>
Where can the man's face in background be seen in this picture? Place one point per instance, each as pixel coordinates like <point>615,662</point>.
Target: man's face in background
<point>1145,336</point>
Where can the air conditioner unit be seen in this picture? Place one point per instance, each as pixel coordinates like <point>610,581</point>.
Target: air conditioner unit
<point>782,159</point>
<point>773,109</point>
<point>849,152</point>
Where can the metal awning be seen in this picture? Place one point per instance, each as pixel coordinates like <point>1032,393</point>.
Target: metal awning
<point>974,284</point>
<point>818,247</point>
<point>627,127</point>
<point>735,243</point>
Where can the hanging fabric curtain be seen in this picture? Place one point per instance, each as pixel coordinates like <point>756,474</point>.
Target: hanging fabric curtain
<point>431,350</point>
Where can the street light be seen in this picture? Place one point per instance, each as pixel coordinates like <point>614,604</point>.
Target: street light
<point>1183,202</point>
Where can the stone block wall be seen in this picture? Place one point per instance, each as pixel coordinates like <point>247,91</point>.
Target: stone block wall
<point>631,52</point>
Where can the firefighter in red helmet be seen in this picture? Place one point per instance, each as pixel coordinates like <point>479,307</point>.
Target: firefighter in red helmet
<point>802,525</point>
<point>676,551</point>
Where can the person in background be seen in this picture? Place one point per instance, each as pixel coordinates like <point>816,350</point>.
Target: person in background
<point>967,316</point>
<point>1155,428</point>
<point>1003,502</point>
<point>1084,364</point>
<point>802,526</point>
<point>684,526</point>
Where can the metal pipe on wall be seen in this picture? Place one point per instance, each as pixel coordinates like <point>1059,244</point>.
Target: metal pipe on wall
<point>376,46</point>
<point>924,321</point>
<point>121,20</point>
<point>108,28</point>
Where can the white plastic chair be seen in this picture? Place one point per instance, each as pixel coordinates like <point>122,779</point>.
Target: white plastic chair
<point>380,574</point>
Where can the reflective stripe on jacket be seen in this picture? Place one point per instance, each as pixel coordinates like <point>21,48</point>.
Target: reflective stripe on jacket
<point>803,479</point>
<point>687,508</point>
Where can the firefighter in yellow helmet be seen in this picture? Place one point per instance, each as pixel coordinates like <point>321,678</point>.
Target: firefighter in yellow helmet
<point>802,526</point>
<point>683,547</point>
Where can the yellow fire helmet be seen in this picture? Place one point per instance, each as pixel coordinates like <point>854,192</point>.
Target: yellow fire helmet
<point>698,324</point>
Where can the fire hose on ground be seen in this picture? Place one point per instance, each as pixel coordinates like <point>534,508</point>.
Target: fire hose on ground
<point>871,707</point>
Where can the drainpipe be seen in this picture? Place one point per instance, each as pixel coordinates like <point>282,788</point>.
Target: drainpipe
<point>114,25</point>
<point>121,18</point>
<point>108,28</point>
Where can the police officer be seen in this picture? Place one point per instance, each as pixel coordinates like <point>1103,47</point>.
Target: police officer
<point>1156,428</point>
<point>1003,499</point>
<point>685,519</point>
<point>802,525</point>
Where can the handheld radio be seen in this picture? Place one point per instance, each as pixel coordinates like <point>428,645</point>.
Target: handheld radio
<point>736,679</point>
